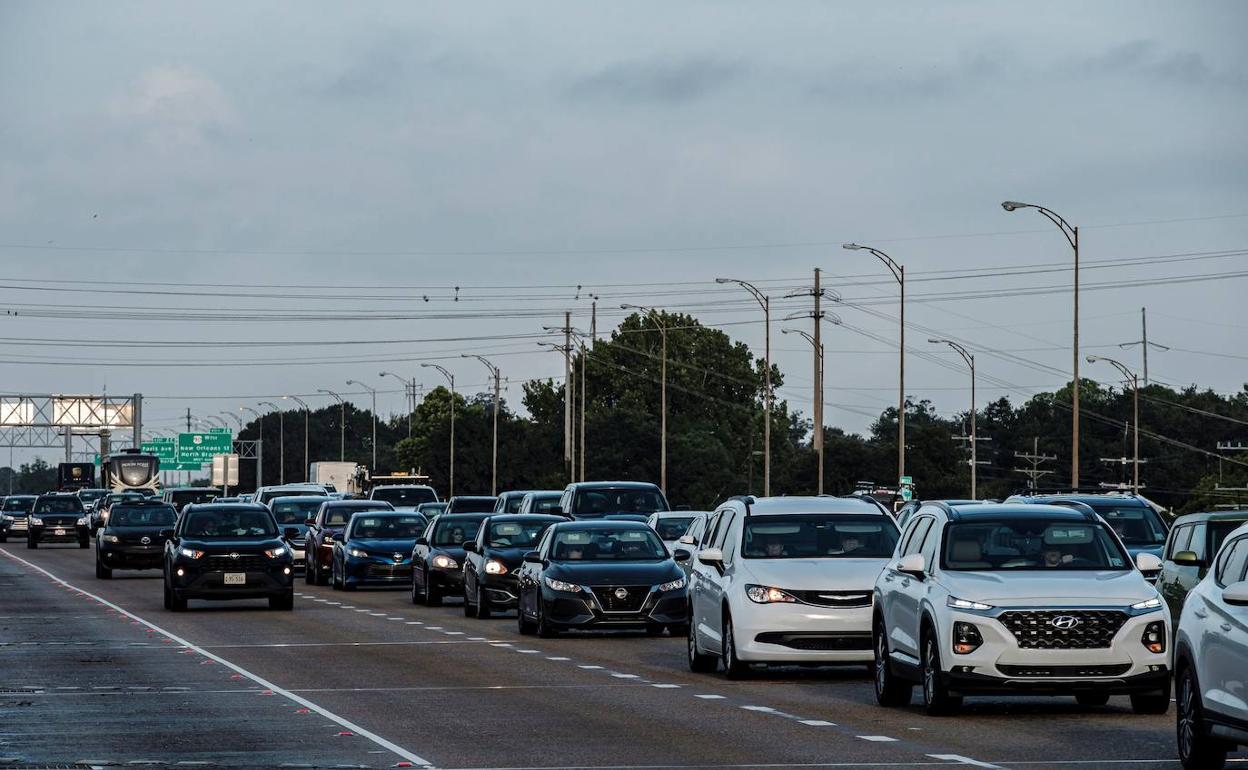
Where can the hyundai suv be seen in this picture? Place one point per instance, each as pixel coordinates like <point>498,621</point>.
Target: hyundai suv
<point>786,580</point>
<point>1018,599</point>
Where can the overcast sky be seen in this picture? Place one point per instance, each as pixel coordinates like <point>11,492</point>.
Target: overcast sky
<point>637,150</point>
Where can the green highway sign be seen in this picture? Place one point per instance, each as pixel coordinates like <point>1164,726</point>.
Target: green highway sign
<point>199,448</point>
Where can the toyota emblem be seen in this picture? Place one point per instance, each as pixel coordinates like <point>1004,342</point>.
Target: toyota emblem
<point>233,555</point>
<point>621,593</point>
<point>398,557</point>
<point>145,540</point>
<point>1064,622</point>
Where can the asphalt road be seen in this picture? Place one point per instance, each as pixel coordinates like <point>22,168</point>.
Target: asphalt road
<point>97,672</point>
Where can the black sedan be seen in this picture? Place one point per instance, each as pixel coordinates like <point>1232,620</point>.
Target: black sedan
<point>330,519</point>
<point>376,549</point>
<point>228,551</point>
<point>471,504</point>
<point>493,559</point>
<point>438,556</point>
<point>13,513</point>
<point>295,512</point>
<point>602,574</point>
<point>57,519</point>
<point>134,536</point>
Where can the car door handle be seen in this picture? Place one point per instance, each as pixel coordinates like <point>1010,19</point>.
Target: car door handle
<point>1200,612</point>
<point>888,578</point>
<point>1225,626</point>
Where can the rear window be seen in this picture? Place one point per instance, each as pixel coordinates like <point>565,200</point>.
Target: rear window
<point>407,497</point>
<point>1136,525</point>
<point>544,503</point>
<point>472,505</point>
<point>673,528</point>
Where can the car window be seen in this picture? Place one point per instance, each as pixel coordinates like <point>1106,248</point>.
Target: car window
<point>451,532</point>
<point>544,544</point>
<point>1031,544</point>
<point>228,525</point>
<point>404,496</point>
<point>142,516</point>
<point>1136,525</point>
<point>389,527</point>
<point>695,531</point>
<point>818,536</point>
<point>1231,569</point>
<point>725,524</point>
<point>672,527</point>
<point>514,534</point>
<point>600,500</point>
<point>607,544</point>
<point>915,537</point>
<point>1179,539</point>
<point>710,529</point>
<point>19,504</point>
<point>59,505</point>
<point>1217,533</point>
<point>928,546</point>
<point>295,511</point>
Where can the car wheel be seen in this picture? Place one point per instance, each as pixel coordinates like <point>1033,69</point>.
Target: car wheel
<point>176,603</point>
<point>1151,702</point>
<point>432,597</point>
<point>654,629</point>
<point>102,572</point>
<point>334,582</point>
<point>84,543</point>
<point>309,572</point>
<point>4,538</point>
<point>1092,698</point>
<point>285,601</point>
<point>523,625</point>
<point>32,543</point>
<point>734,667</point>
<point>544,629</point>
<point>1197,750</point>
<point>321,578</point>
<point>936,697</point>
<point>482,604</point>
<point>415,594</point>
<point>168,596</point>
<point>699,663</point>
<point>469,610</point>
<point>890,690</point>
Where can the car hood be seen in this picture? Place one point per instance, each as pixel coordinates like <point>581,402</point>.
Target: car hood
<point>512,557</point>
<point>1032,587</point>
<point>384,547</point>
<point>615,573</point>
<point>231,546</point>
<point>835,574</point>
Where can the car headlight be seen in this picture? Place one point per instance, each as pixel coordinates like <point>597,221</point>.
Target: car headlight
<point>495,567</point>
<point>1148,604</point>
<point>111,539</point>
<point>82,521</point>
<point>190,553</point>
<point>955,603</point>
<point>104,515</point>
<point>674,585</point>
<point>559,585</point>
<point>357,553</point>
<point>442,561</point>
<point>277,553</point>
<point>6,518</point>
<point>768,595</point>
<point>35,521</point>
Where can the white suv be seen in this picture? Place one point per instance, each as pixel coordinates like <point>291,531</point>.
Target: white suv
<point>1211,660</point>
<point>1018,599</point>
<point>786,580</point>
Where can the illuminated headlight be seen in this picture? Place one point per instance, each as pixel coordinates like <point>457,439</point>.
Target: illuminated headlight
<point>357,553</point>
<point>111,539</point>
<point>559,585</point>
<point>104,515</point>
<point>277,553</point>
<point>955,603</point>
<point>6,518</point>
<point>495,567</point>
<point>675,585</point>
<point>442,561</point>
<point>82,521</point>
<point>35,521</point>
<point>1148,604</point>
<point>190,553</point>
<point>768,595</point>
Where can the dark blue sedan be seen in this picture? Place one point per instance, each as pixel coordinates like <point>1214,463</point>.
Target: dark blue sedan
<point>376,549</point>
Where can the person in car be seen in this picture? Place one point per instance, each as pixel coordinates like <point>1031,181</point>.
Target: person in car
<point>849,544</point>
<point>1053,557</point>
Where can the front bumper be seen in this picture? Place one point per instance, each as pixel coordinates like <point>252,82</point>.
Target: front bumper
<point>801,633</point>
<point>132,557</point>
<point>584,610</point>
<point>447,582</point>
<point>377,571</point>
<point>69,534</point>
<point>210,584</point>
<point>15,527</point>
<point>501,591</point>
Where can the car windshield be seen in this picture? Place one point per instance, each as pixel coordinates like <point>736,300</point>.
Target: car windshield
<point>408,497</point>
<point>142,516</point>
<point>544,503</point>
<point>229,525</point>
<point>339,515</point>
<point>673,527</point>
<point>193,496</point>
<point>1136,525</point>
<point>601,500</point>
<point>511,503</point>
<point>818,536</point>
<point>269,496</point>
<point>1031,544</point>
<point>1218,530</point>
<point>18,505</point>
<point>454,531</point>
<point>515,534</point>
<point>365,527</point>
<point>431,509</point>
<point>296,511</point>
<point>91,495</point>
<point>607,544</point>
<point>472,505</point>
<point>58,505</point>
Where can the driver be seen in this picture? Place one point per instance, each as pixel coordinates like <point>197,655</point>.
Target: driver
<point>850,543</point>
<point>1053,557</point>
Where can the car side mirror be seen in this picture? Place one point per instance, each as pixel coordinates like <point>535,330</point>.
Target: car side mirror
<point>310,521</point>
<point>686,540</point>
<point>422,541</point>
<point>290,533</point>
<point>337,537</point>
<point>166,534</point>
<point>1147,562</point>
<point>533,557</point>
<point>470,546</point>
<point>1188,559</point>
<point>914,565</point>
<point>1236,593</point>
<point>680,554</point>
<point>712,557</point>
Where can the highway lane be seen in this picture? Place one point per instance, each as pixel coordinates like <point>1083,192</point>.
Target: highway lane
<point>464,693</point>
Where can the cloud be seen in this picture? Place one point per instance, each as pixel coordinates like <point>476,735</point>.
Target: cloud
<point>175,107</point>
<point>657,82</point>
<point>1147,58</point>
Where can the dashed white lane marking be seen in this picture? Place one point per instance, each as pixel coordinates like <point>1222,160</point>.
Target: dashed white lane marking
<point>666,686</point>
<point>964,760</point>
<point>591,668</point>
<point>876,738</point>
<point>376,614</point>
<point>710,697</point>
<point>365,609</point>
<point>528,652</point>
<point>453,633</point>
<point>763,709</point>
<point>434,628</point>
<point>817,723</point>
<point>336,604</point>
<point>558,658</point>
<point>476,638</point>
<point>414,623</point>
<point>347,606</point>
<point>304,702</point>
<point>625,676</point>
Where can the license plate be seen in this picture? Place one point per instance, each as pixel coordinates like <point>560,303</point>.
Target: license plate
<point>58,532</point>
<point>236,578</point>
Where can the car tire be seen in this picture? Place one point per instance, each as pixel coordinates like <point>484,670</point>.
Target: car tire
<point>416,598</point>
<point>334,583</point>
<point>1197,750</point>
<point>4,538</point>
<point>309,572</point>
<point>470,611</point>
<point>734,667</point>
<point>285,601</point>
<point>1151,702</point>
<point>1092,698</point>
<point>936,698</point>
<point>544,629</point>
<point>655,629</point>
<point>102,572</point>
<point>699,662</point>
<point>432,597</point>
<point>168,596</point>
<point>84,543</point>
<point>523,624</point>
<point>32,543</point>
<point>482,604</point>
<point>890,690</point>
<point>321,578</point>
<point>176,603</point>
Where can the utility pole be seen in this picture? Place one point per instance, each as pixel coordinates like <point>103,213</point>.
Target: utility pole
<point>569,451</point>
<point>494,372</point>
<point>969,358</point>
<point>1035,472</point>
<point>307,468</point>
<point>584,355</point>
<point>451,379</point>
<point>1143,342</point>
<point>819,369</point>
<point>764,301</point>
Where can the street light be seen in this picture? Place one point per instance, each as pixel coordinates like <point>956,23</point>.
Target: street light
<point>307,469</point>
<point>1072,237</point>
<point>342,424</point>
<point>969,358</point>
<point>450,483</point>
<point>899,272</point>
<point>818,347</point>
<point>569,387</point>
<point>765,303</point>
<point>259,445</point>
<point>235,417</point>
<point>657,317</point>
<point>374,395</point>
<point>1135,419</point>
<point>494,451</point>
<point>281,440</point>
<point>409,388</point>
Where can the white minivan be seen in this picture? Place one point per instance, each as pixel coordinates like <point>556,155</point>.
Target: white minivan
<point>786,580</point>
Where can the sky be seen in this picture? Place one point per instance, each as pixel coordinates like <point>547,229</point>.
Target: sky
<point>228,170</point>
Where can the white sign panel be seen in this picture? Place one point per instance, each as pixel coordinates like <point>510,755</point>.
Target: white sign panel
<point>16,412</point>
<point>225,470</point>
<point>90,412</point>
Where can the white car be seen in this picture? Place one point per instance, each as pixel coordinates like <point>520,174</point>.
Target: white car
<point>671,526</point>
<point>787,580</point>
<point>1211,660</point>
<point>404,497</point>
<point>1018,599</point>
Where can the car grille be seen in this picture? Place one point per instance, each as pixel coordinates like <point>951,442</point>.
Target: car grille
<point>58,521</point>
<point>834,599</point>
<point>388,571</point>
<point>244,563</point>
<point>817,641</point>
<point>1089,630</point>
<point>1065,671</point>
<point>631,602</point>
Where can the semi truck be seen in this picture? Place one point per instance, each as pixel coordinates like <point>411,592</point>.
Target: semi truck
<point>342,476</point>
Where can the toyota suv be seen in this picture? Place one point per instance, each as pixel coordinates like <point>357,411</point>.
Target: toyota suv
<point>786,580</point>
<point>1018,599</point>
<point>14,510</point>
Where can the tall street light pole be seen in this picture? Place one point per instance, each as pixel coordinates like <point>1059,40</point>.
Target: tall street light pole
<point>281,440</point>
<point>373,393</point>
<point>451,379</point>
<point>1072,237</point>
<point>818,348</point>
<point>409,387</point>
<point>569,449</point>
<point>765,303</point>
<point>342,423</point>
<point>1134,379</point>
<point>307,468</point>
<point>259,445</point>
<point>494,372</point>
<point>658,320</point>
<point>969,358</point>
<point>899,273</point>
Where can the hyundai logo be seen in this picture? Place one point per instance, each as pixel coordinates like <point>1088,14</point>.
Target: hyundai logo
<point>1064,622</point>
<point>621,593</point>
<point>145,540</point>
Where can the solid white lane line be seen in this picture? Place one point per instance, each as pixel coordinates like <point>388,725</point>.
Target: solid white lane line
<point>964,760</point>
<point>342,721</point>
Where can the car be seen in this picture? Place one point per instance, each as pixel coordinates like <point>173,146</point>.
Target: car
<point>602,575</point>
<point>471,504</point>
<point>1136,521</point>
<point>493,559</point>
<point>438,556</point>
<point>544,501</point>
<point>429,510</point>
<point>57,518</point>
<point>295,512</point>
<point>224,551</point>
<point>690,541</point>
<point>509,502</point>
<point>330,519</point>
<point>89,497</point>
<point>13,515</point>
<point>1211,656</point>
<point>180,497</point>
<point>786,580</point>
<point>376,549</point>
<point>404,497</point>
<point>1186,557</point>
<point>98,516</point>
<point>134,536</point>
<point>909,509</point>
<point>264,495</point>
<point>245,498</point>
<point>1018,599</point>
<point>671,526</point>
<point>595,499</point>
<point>231,499</point>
